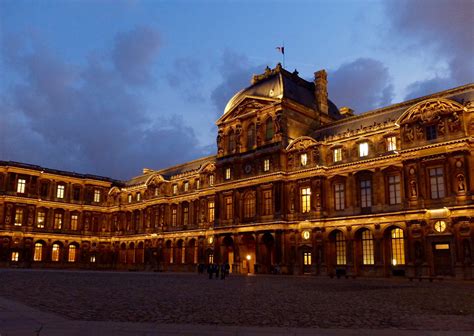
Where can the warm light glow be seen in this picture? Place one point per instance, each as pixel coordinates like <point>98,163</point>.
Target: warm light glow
<point>55,253</point>
<point>20,187</point>
<point>248,257</point>
<point>363,149</point>
<point>227,174</point>
<point>304,159</point>
<point>391,143</point>
<point>15,256</point>
<point>72,253</point>
<point>305,200</point>
<point>97,196</point>
<point>440,226</point>
<point>38,253</point>
<point>60,191</point>
<point>394,262</point>
<point>210,240</point>
<point>337,154</point>
<point>306,234</point>
<point>266,165</point>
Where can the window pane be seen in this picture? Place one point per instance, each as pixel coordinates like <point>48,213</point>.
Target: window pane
<point>367,248</point>
<point>398,247</point>
<point>363,149</point>
<point>340,249</point>
<point>20,188</point>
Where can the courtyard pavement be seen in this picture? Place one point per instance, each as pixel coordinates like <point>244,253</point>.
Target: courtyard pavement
<point>47,302</point>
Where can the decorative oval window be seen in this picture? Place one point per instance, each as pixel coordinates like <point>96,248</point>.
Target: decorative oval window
<point>210,240</point>
<point>440,226</point>
<point>306,234</point>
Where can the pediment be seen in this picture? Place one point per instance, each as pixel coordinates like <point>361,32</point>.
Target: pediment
<point>247,105</point>
<point>208,167</point>
<point>301,143</point>
<point>429,110</point>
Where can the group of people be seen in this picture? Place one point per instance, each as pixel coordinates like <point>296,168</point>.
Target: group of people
<point>216,269</point>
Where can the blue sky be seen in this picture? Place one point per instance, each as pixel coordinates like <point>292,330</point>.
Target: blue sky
<point>110,87</point>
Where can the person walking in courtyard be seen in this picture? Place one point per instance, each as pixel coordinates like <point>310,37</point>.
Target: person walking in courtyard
<point>210,270</point>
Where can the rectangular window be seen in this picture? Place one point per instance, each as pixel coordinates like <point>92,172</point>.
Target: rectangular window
<point>340,249</point>
<point>337,154</point>
<point>15,256</point>
<point>74,220</point>
<point>185,215</point>
<point>249,206</point>
<point>129,198</point>
<point>76,194</point>
<point>210,209</point>
<point>55,253</point>
<point>437,183</point>
<point>195,257</point>
<point>157,191</point>
<point>44,190</point>
<point>266,165</point>
<point>211,180</point>
<point>21,186</point>
<point>365,194</point>
<point>363,149</point>
<point>18,217</point>
<point>38,253</point>
<point>395,196</point>
<point>139,197</point>
<point>60,191</point>
<point>40,218</point>
<point>339,196</point>
<point>304,159</point>
<point>367,248</point>
<point>227,173</point>
<point>183,255</point>
<point>72,254</point>
<point>307,258</point>
<point>97,196</point>
<point>391,143</point>
<point>228,207</point>
<point>305,200</point>
<point>186,186</point>
<point>174,217</point>
<point>198,184</point>
<point>175,189</point>
<point>431,132</point>
<point>398,247</point>
<point>267,202</point>
<point>58,221</point>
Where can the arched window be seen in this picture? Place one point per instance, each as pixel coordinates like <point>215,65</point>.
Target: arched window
<point>340,248</point>
<point>249,205</point>
<point>251,136</point>
<point>269,129</point>
<point>38,253</point>
<point>55,253</point>
<point>398,247</point>
<point>72,253</point>
<point>367,248</point>
<point>231,142</point>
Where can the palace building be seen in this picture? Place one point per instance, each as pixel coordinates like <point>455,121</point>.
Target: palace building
<point>297,185</point>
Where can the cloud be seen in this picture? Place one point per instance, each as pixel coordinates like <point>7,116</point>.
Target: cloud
<point>443,26</point>
<point>186,76</point>
<point>236,71</point>
<point>134,53</point>
<point>363,84</point>
<point>88,118</point>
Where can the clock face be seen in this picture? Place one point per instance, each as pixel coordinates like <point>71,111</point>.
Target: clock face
<point>248,168</point>
<point>440,226</point>
<point>306,234</point>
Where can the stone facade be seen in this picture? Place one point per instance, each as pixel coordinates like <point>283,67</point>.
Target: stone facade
<point>297,186</point>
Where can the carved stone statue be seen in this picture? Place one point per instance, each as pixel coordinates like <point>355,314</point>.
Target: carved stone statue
<point>454,123</point>
<point>238,133</point>
<point>441,127</point>
<point>461,184</point>
<point>408,132</point>
<point>413,192</point>
<point>220,142</point>
<point>278,123</point>
<point>419,132</point>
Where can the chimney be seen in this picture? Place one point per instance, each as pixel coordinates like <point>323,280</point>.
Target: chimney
<point>346,112</point>
<point>321,90</point>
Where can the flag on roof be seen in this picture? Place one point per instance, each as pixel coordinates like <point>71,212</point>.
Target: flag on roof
<point>281,49</point>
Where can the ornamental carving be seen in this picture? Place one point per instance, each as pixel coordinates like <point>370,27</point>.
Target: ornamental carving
<point>430,110</point>
<point>249,105</point>
<point>301,144</point>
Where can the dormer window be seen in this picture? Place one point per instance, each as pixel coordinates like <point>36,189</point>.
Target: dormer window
<point>21,186</point>
<point>337,155</point>
<point>304,159</point>
<point>175,189</point>
<point>227,173</point>
<point>96,196</point>
<point>139,197</point>
<point>211,180</point>
<point>363,149</point>
<point>186,186</point>
<point>391,143</point>
<point>266,165</point>
<point>431,133</point>
<point>129,198</point>
<point>198,184</point>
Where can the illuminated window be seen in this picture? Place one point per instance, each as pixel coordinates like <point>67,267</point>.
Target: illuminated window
<point>363,149</point>
<point>171,254</point>
<point>250,136</point>
<point>139,197</point>
<point>18,217</point>
<point>227,173</point>
<point>305,200</point>
<point>210,209</point>
<point>157,191</point>
<point>15,256</point>
<point>249,205</point>
<point>307,258</point>
<point>129,198</point>
<point>60,191</point>
<point>185,215</point>
<point>74,220</point>
<point>55,253</point>
<point>186,186</point>
<point>367,248</point>
<point>92,259</point>
<point>339,196</point>
<point>304,159</point>
<point>340,248</point>
<point>211,180</point>
<point>58,221</point>
<point>175,189</point>
<point>195,257</point>
<point>97,196</point>
<point>391,143</point>
<point>267,202</point>
<point>269,129</point>
<point>266,165</point>
<point>398,247</point>
<point>436,183</point>
<point>40,218</point>
<point>198,184</point>
<point>228,207</point>
<point>395,196</point>
<point>431,133</point>
<point>211,258</point>
<point>365,194</point>
<point>183,255</point>
<point>174,217</point>
<point>337,154</point>
<point>71,257</point>
<point>38,252</point>
<point>21,186</point>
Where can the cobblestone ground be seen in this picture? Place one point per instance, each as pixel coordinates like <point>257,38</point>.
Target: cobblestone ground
<point>245,300</point>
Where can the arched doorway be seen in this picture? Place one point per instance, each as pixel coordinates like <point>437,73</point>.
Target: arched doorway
<point>267,253</point>
<point>228,251</point>
<point>247,248</point>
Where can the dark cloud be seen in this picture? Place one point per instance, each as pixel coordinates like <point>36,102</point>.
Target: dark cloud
<point>186,77</point>
<point>236,71</point>
<point>89,118</point>
<point>134,53</point>
<point>363,84</point>
<point>443,26</point>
